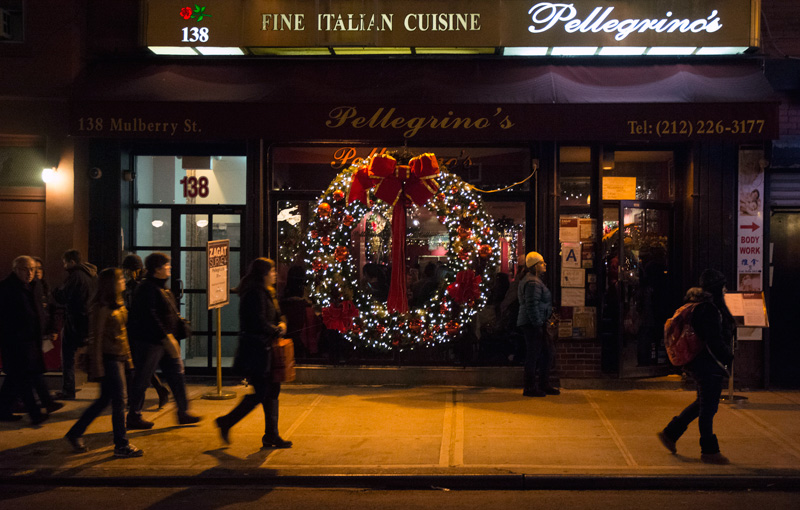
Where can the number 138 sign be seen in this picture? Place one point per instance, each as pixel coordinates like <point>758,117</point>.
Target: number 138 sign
<point>194,187</point>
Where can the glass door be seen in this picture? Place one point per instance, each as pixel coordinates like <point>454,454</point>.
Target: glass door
<point>192,228</point>
<point>639,288</point>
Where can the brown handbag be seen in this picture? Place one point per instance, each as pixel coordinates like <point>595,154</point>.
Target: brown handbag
<point>283,360</point>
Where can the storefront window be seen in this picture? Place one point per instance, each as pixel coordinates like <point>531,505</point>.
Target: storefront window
<point>21,166</point>
<point>637,175</point>
<point>488,340</point>
<point>190,180</point>
<point>575,176</point>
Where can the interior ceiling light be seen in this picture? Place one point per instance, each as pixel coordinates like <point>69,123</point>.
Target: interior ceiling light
<point>157,223</point>
<point>202,223</point>
<point>722,50</point>
<point>573,51</point>
<point>622,50</point>
<point>348,50</point>
<point>522,51</point>
<point>172,50</point>
<point>219,50</point>
<point>671,50</point>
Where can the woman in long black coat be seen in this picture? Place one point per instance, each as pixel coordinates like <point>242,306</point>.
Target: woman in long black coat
<point>260,325</point>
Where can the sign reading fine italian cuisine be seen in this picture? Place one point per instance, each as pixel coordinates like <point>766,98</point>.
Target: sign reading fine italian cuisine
<point>218,273</point>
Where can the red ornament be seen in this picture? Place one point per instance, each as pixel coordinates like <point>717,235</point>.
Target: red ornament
<point>324,210</point>
<point>452,327</point>
<point>464,255</point>
<point>325,241</point>
<point>340,254</point>
<point>464,233</point>
<point>415,325</point>
<point>484,251</point>
<point>442,219</point>
<point>427,336</point>
<point>466,288</point>
<point>380,330</point>
<point>314,234</point>
<point>348,220</point>
<point>319,265</point>
<point>356,329</point>
<point>453,189</point>
<point>440,197</point>
<point>487,231</point>
<point>338,195</point>
<point>473,206</point>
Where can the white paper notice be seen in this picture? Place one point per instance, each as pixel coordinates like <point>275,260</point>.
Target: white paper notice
<point>735,305</point>
<point>568,233</point>
<point>571,255</point>
<point>572,277</point>
<point>573,297</point>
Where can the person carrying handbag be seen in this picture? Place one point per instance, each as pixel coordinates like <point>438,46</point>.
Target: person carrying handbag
<point>261,325</point>
<point>154,322</point>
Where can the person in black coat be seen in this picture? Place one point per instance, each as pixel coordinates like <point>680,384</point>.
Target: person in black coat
<point>153,321</point>
<point>74,295</point>
<point>261,325</point>
<point>714,324</point>
<point>21,320</point>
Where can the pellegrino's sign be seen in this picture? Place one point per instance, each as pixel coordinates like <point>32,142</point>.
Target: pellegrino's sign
<point>462,23</point>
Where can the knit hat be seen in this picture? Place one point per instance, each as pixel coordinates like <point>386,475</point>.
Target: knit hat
<point>712,279</point>
<point>132,262</point>
<point>533,258</point>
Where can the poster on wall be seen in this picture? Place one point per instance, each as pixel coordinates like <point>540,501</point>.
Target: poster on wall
<point>569,231</point>
<point>571,255</point>
<point>750,238</point>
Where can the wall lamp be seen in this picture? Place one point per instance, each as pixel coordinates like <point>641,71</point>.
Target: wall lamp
<point>49,175</point>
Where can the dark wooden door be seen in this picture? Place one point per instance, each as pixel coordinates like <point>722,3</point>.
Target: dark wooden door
<point>785,300</point>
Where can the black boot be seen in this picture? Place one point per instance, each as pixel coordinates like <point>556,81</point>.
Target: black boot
<point>271,437</point>
<point>709,451</point>
<point>531,389</point>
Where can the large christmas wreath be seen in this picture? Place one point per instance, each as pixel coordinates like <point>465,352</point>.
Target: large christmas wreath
<point>387,186</point>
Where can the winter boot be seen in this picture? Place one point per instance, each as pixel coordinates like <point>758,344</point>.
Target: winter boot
<point>271,437</point>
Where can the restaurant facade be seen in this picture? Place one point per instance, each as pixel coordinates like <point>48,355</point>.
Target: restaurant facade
<point>627,142</point>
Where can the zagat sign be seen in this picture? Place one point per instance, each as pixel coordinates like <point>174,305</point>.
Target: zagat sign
<point>547,15</point>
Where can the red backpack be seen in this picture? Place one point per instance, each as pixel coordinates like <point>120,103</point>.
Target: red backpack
<point>681,341</point>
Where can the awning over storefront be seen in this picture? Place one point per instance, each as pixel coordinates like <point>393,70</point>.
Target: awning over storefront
<point>434,100</point>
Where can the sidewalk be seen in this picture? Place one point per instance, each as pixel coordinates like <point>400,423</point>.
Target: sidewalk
<point>419,437</point>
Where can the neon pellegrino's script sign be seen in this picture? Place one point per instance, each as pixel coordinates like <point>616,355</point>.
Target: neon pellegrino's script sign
<point>547,15</point>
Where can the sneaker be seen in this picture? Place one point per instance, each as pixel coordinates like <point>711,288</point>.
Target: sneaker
<point>138,423</point>
<point>224,431</point>
<point>77,443</point>
<point>714,458</point>
<point>275,442</point>
<point>54,406</point>
<point>668,443</point>
<point>187,419</point>
<point>126,452</point>
<point>549,390</point>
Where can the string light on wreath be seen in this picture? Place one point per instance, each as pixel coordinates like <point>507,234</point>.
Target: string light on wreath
<point>472,244</point>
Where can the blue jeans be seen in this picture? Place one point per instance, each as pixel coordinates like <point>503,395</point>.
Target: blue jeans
<point>112,389</point>
<point>148,358</point>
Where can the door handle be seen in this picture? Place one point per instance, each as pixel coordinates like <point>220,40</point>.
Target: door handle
<point>180,289</point>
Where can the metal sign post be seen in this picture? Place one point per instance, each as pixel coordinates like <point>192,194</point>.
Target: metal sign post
<point>218,295</point>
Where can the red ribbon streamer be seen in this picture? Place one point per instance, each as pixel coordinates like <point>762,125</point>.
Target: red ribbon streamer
<point>396,183</point>
<point>340,318</point>
<point>466,288</point>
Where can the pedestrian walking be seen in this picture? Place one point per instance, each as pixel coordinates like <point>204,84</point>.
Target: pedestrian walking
<point>535,308</point>
<point>260,325</point>
<point>74,295</point>
<point>154,320</point>
<point>133,268</point>
<point>21,320</point>
<point>108,357</point>
<point>715,326</point>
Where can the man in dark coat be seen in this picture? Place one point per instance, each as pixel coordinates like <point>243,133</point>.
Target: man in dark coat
<point>74,295</point>
<point>21,321</point>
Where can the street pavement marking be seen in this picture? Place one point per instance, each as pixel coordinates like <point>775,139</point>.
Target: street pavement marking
<point>778,437</point>
<point>451,452</point>
<point>626,454</point>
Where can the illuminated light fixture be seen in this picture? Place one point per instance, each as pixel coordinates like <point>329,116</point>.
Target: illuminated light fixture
<point>525,51</point>
<point>455,51</point>
<point>49,175</point>
<point>622,50</point>
<point>608,160</point>
<point>157,223</point>
<point>219,50</point>
<point>573,51</point>
<point>671,50</point>
<point>172,50</point>
<point>347,50</point>
<point>722,50</point>
<point>293,52</point>
<point>202,223</point>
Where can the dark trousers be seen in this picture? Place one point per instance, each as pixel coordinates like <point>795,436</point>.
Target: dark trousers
<point>538,356</point>
<point>709,389</point>
<point>68,350</point>
<point>20,385</point>
<point>266,393</point>
<point>148,358</point>
<point>112,389</point>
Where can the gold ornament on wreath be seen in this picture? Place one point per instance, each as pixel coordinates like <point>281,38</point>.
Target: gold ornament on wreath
<point>380,188</point>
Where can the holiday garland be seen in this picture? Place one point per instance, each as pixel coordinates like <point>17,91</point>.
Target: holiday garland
<point>334,276</point>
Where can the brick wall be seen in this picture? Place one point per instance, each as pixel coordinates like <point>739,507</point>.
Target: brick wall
<point>789,117</point>
<point>577,359</point>
<point>780,35</point>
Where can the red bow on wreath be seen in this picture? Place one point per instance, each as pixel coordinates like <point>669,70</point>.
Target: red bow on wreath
<point>466,288</point>
<point>340,318</point>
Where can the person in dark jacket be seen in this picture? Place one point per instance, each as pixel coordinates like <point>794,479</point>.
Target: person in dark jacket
<point>74,295</point>
<point>714,324</point>
<point>261,325</point>
<point>133,269</point>
<point>535,308</point>
<point>153,321</point>
<point>109,355</point>
<point>21,320</point>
